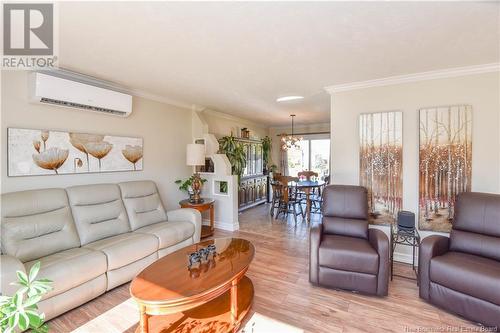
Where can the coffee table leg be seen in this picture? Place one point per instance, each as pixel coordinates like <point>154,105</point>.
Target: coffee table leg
<point>144,320</point>
<point>234,301</point>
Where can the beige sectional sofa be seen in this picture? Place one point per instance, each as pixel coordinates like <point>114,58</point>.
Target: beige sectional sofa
<point>89,239</point>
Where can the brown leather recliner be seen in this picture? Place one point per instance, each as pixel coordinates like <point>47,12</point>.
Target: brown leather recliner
<point>344,253</point>
<point>462,273</point>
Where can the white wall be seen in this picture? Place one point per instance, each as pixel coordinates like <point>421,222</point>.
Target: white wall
<point>480,90</point>
<point>165,129</point>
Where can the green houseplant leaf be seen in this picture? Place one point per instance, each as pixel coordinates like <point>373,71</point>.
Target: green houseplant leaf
<point>19,312</point>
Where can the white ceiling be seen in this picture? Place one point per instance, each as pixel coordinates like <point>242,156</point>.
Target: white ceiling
<point>238,57</point>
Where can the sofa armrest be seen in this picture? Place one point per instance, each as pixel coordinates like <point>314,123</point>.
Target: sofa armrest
<point>379,241</point>
<point>9,265</point>
<point>430,247</point>
<point>315,234</point>
<point>189,215</point>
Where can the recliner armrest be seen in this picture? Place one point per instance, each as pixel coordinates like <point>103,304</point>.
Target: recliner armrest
<point>189,215</point>
<point>315,236</point>
<point>379,241</point>
<point>9,265</point>
<point>429,248</point>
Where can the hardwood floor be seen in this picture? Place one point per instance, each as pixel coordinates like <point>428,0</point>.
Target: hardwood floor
<point>282,292</point>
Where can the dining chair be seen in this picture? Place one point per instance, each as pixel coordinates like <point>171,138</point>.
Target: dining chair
<point>307,174</point>
<point>317,200</point>
<point>277,189</point>
<point>290,202</point>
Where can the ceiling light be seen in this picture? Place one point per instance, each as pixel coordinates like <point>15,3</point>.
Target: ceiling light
<point>288,98</point>
<point>290,141</point>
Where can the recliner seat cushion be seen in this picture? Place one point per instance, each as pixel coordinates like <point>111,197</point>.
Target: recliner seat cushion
<point>125,249</point>
<point>169,233</point>
<point>37,223</point>
<point>98,211</point>
<point>69,269</point>
<point>348,254</point>
<point>143,203</point>
<point>469,274</point>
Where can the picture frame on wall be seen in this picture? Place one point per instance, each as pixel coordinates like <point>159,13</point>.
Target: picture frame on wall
<point>381,164</point>
<point>445,163</point>
<point>33,152</point>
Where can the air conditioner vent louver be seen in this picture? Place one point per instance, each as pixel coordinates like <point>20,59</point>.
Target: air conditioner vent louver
<point>80,106</point>
<point>52,90</point>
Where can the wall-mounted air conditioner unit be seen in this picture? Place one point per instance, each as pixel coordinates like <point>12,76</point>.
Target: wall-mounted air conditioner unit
<point>53,90</point>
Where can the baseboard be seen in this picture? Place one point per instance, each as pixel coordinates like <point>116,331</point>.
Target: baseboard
<point>405,258</point>
<point>228,226</point>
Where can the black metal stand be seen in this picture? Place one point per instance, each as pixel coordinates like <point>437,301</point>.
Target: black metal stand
<point>404,237</point>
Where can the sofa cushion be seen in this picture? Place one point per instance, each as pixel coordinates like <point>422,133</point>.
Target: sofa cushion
<point>345,227</point>
<point>478,212</point>
<point>143,203</point>
<point>469,274</point>
<point>69,269</point>
<point>474,243</point>
<point>37,223</point>
<point>126,248</point>
<point>349,202</point>
<point>169,233</point>
<point>348,254</point>
<point>98,211</point>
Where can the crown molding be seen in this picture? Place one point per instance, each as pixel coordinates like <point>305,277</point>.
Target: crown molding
<point>162,99</point>
<point>303,126</point>
<point>415,77</point>
<point>227,116</point>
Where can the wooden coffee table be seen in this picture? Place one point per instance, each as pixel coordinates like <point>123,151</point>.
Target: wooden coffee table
<point>211,297</point>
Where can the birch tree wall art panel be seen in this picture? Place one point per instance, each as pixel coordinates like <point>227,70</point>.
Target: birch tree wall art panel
<point>445,165</point>
<point>381,163</point>
<point>45,152</point>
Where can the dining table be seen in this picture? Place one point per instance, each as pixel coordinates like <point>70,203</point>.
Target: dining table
<point>307,186</point>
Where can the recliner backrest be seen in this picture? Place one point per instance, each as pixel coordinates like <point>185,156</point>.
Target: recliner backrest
<point>345,210</point>
<point>98,211</point>
<point>143,203</point>
<point>476,224</point>
<point>37,223</point>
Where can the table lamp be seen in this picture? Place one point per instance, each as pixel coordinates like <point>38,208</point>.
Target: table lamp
<point>195,156</point>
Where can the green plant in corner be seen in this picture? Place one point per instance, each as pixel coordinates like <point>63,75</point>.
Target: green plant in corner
<point>20,312</point>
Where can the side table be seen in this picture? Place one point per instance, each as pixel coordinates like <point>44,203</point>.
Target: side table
<point>404,237</point>
<point>207,204</point>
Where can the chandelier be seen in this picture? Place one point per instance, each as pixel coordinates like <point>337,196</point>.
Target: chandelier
<point>290,141</point>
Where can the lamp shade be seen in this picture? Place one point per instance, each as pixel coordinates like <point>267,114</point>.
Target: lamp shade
<point>195,154</point>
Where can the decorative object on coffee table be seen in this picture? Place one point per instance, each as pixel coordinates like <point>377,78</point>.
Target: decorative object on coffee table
<point>218,300</point>
<point>195,156</point>
<point>205,204</point>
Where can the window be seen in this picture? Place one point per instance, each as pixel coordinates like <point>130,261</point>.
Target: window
<point>314,154</point>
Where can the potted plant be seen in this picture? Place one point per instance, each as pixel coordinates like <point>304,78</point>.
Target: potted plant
<point>266,152</point>
<point>185,185</point>
<point>20,312</point>
<point>235,153</point>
